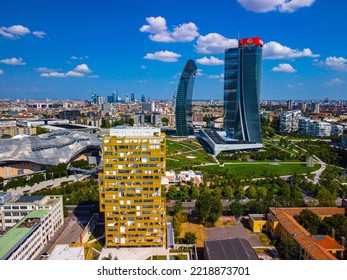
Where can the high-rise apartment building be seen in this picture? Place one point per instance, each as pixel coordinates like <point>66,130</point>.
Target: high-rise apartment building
<point>183,108</point>
<point>130,187</point>
<point>242,78</point>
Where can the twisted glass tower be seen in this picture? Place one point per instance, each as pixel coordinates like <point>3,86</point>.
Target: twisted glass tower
<point>183,108</point>
<point>242,80</point>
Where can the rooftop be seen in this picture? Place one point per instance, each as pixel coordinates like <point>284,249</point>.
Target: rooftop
<point>17,235</point>
<point>314,246</point>
<point>48,149</point>
<point>230,249</point>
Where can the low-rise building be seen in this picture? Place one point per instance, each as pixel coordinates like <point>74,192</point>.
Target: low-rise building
<point>28,237</point>
<point>11,212</point>
<point>281,224</point>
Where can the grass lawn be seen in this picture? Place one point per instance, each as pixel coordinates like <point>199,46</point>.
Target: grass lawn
<point>264,239</point>
<point>178,153</point>
<point>259,170</point>
<point>199,230</point>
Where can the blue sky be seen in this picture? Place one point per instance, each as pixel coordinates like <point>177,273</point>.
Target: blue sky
<point>68,49</point>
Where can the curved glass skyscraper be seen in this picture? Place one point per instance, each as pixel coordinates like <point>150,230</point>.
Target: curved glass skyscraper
<point>242,80</point>
<point>183,108</point>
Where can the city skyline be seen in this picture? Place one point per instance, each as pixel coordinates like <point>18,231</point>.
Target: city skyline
<point>68,50</point>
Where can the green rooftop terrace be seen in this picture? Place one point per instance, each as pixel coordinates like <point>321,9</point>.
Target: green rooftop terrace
<point>11,238</point>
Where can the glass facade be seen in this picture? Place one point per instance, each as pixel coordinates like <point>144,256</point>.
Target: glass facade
<point>242,81</point>
<point>183,108</point>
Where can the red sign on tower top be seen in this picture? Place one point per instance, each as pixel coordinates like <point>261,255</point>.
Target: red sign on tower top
<point>251,41</point>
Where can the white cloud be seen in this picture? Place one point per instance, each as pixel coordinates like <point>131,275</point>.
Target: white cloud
<point>284,67</point>
<point>214,43</point>
<point>335,63</point>
<point>1,72</point>
<point>143,67</point>
<point>79,71</point>
<point>142,81</point>
<point>53,75</point>
<point>221,76</point>
<point>74,74</point>
<point>93,76</point>
<point>13,61</point>
<point>39,34</point>
<point>264,6</point>
<point>335,82</point>
<point>199,73</point>
<point>156,25</point>
<point>14,31</point>
<point>165,56</point>
<point>210,61</point>
<point>274,50</point>
<point>185,32</point>
<point>79,57</point>
<point>82,68</point>
<point>45,70</point>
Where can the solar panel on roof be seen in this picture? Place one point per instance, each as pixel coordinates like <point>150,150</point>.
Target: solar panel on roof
<point>318,237</point>
<point>29,198</point>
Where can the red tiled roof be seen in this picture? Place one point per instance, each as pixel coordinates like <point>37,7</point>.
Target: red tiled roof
<point>318,250</point>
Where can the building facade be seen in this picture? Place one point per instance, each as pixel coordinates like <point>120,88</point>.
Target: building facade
<point>134,160</point>
<point>11,212</point>
<point>242,80</point>
<point>31,234</point>
<point>183,108</point>
<point>289,121</point>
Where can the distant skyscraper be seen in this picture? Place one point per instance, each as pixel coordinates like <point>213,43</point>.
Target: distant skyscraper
<point>94,98</point>
<point>242,78</point>
<point>183,109</point>
<point>126,99</point>
<point>143,98</point>
<point>290,104</point>
<point>132,97</point>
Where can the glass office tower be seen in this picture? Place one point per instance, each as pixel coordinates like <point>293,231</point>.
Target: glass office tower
<point>242,81</point>
<point>183,108</point>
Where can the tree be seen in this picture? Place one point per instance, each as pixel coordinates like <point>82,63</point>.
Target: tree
<point>309,221</point>
<point>251,192</point>
<point>165,120</point>
<point>178,207</point>
<point>183,192</point>
<point>1,183</point>
<point>178,219</point>
<point>190,237</point>
<point>6,136</point>
<point>131,121</point>
<point>326,198</point>
<point>208,207</point>
<point>216,209</point>
<point>194,192</point>
<point>236,208</point>
<point>202,206</point>
<point>228,192</point>
<point>41,130</point>
<point>172,192</point>
<point>36,178</point>
<point>288,249</point>
<point>338,223</point>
